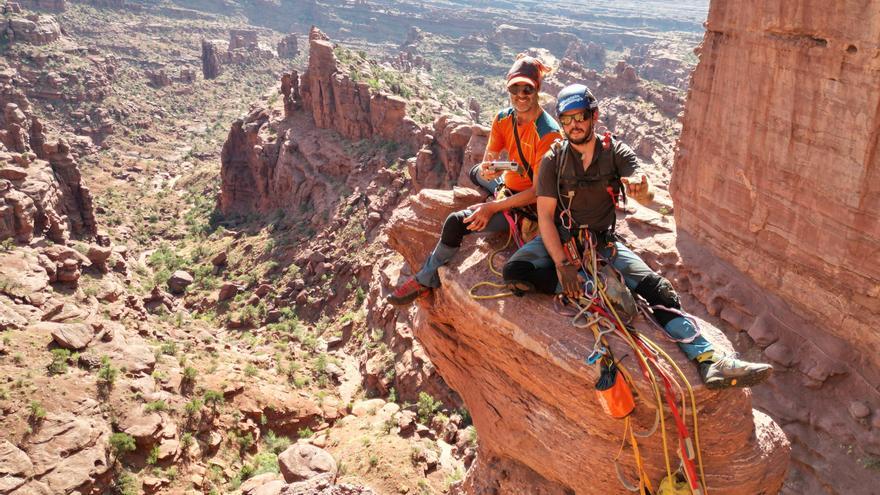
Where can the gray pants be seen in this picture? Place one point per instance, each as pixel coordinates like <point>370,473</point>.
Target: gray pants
<point>454,230</point>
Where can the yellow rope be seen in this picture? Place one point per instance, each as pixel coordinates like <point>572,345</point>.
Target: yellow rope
<point>473,291</point>
<point>639,355</point>
<point>690,390</point>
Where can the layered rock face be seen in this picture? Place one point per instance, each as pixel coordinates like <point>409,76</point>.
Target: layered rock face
<point>262,173</point>
<point>41,192</point>
<point>243,47</point>
<point>53,5</point>
<point>519,368</point>
<point>212,57</point>
<point>338,102</point>
<point>34,29</point>
<point>287,46</point>
<point>778,174</point>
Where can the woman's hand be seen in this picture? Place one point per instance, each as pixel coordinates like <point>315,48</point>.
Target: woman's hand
<point>480,217</point>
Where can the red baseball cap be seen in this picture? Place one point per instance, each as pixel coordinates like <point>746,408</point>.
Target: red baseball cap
<point>526,70</point>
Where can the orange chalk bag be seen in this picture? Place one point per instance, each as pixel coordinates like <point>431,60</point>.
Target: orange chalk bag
<point>613,392</point>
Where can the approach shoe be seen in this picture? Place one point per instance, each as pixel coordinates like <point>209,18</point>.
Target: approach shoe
<point>731,372</point>
<point>407,292</point>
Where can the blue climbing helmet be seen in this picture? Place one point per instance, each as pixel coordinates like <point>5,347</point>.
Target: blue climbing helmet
<point>575,97</point>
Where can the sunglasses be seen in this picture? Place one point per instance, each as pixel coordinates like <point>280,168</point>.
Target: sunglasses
<point>524,89</point>
<point>578,117</point>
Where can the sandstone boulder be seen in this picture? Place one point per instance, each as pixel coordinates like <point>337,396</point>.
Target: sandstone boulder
<point>303,461</point>
<point>69,451</point>
<point>179,281</point>
<point>73,336</point>
<point>146,428</point>
<point>34,30</point>
<point>15,467</point>
<point>250,486</point>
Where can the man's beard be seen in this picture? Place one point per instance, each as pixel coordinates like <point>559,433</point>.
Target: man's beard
<point>587,135</point>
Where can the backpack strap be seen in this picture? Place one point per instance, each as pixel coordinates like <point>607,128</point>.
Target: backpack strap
<point>522,157</point>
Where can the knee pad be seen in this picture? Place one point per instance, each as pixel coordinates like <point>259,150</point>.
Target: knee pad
<point>515,271</point>
<point>658,291</point>
<point>523,272</point>
<point>473,174</point>
<point>454,229</point>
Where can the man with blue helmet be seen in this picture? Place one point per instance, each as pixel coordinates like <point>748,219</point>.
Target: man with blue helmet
<point>578,187</point>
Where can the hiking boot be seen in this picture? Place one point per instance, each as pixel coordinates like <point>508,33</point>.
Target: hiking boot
<point>731,372</point>
<point>407,292</point>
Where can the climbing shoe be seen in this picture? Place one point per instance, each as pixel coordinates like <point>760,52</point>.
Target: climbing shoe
<point>731,372</point>
<point>407,292</point>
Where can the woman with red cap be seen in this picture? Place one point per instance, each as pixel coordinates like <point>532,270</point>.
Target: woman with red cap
<point>525,132</point>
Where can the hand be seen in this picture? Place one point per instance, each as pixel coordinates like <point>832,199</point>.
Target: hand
<point>487,173</point>
<point>482,212</point>
<point>570,279</point>
<point>639,191</point>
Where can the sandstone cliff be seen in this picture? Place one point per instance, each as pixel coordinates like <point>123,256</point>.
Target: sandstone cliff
<point>283,164</point>
<point>778,174</point>
<point>339,102</point>
<point>41,192</point>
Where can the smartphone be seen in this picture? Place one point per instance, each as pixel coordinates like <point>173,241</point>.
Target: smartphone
<point>497,166</point>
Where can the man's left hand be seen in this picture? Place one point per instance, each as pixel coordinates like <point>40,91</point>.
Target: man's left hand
<point>482,212</point>
<point>639,191</point>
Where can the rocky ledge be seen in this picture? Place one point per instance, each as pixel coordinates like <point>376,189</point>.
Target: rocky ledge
<point>519,368</point>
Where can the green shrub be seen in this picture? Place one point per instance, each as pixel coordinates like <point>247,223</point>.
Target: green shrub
<point>120,443</point>
<point>107,372</point>
<point>155,406</point>
<point>427,407</point>
<point>265,462</point>
<point>126,484</point>
<point>305,432</point>
<point>192,407</point>
<point>153,457</point>
<point>58,365</point>
<point>214,399</point>
<point>169,348</point>
<point>275,443</point>
<point>190,374</point>
<point>36,411</point>
<point>245,442</point>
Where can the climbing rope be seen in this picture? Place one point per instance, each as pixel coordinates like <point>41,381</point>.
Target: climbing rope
<point>599,310</point>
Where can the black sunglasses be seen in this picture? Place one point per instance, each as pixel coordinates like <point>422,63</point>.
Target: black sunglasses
<point>521,89</point>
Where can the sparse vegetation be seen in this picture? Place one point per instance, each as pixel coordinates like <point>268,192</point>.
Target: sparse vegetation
<point>214,399</point>
<point>155,406</point>
<point>58,365</point>
<point>427,407</point>
<point>107,372</point>
<point>37,412</point>
<point>121,443</point>
<point>153,456</point>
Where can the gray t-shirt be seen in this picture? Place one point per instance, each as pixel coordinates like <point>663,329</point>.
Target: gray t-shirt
<point>592,204</point>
